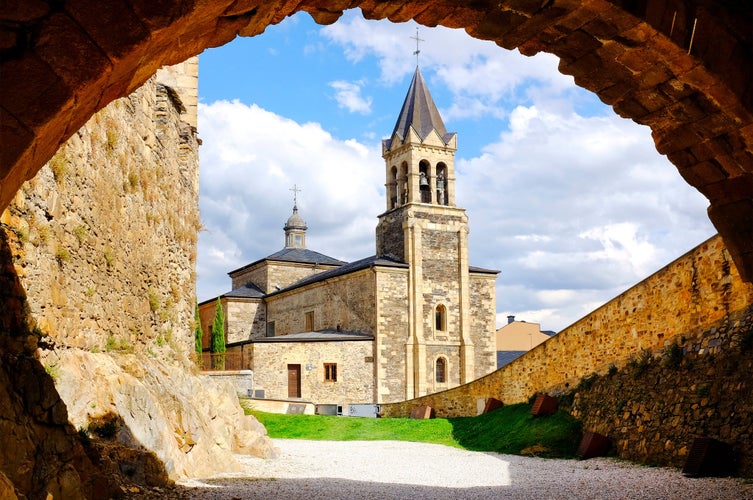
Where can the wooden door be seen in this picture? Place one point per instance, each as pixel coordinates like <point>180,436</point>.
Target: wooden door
<point>294,381</point>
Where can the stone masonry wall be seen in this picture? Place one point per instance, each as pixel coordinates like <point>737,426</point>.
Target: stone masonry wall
<point>439,271</point>
<point>390,236</point>
<point>392,334</point>
<point>483,322</point>
<point>98,271</point>
<point>689,296</point>
<point>697,386</point>
<point>347,301</point>
<point>106,263</point>
<point>244,319</point>
<point>355,370</point>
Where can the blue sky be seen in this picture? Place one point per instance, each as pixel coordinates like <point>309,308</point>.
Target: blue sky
<point>569,201</point>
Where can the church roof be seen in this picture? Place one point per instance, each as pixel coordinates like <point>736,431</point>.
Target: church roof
<point>419,112</point>
<point>303,255</point>
<point>247,291</point>
<point>358,265</point>
<point>474,269</point>
<point>318,336</point>
<point>296,255</point>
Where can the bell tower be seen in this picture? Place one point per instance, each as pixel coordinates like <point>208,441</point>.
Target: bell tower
<point>424,228</point>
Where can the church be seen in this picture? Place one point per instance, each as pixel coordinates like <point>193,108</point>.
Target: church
<point>413,319</point>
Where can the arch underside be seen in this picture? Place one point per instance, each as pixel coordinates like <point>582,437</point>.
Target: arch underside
<point>682,67</point>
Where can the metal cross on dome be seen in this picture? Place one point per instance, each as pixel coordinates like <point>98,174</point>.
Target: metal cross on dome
<point>417,39</point>
<point>295,190</point>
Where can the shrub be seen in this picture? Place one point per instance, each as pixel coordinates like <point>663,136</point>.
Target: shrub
<point>673,356</point>
<point>154,301</point>
<point>62,255</point>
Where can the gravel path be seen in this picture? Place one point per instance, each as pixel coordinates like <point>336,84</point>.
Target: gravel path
<point>393,469</point>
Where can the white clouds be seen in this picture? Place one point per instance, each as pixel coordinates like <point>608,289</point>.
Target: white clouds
<point>250,158</point>
<point>478,73</point>
<point>348,96</point>
<point>574,210</point>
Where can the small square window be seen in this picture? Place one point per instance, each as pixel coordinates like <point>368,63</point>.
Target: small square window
<point>330,372</point>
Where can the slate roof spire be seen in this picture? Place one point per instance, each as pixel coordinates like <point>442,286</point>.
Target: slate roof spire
<point>419,112</point>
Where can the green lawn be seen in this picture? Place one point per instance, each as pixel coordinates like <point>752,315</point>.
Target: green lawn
<point>510,429</point>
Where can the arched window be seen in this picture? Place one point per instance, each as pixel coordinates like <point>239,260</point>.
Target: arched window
<point>392,187</point>
<point>424,181</point>
<point>441,184</point>
<point>403,184</point>
<point>440,371</point>
<point>440,318</point>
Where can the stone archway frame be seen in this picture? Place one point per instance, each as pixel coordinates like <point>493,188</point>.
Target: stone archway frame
<point>682,67</point>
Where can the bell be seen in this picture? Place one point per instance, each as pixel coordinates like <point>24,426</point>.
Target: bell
<point>424,181</point>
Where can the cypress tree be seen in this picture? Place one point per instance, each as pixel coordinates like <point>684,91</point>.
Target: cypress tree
<point>198,335</point>
<point>218,338</point>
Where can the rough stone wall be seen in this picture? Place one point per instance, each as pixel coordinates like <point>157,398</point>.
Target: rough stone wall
<point>98,266</point>
<point>245,319</point>
<point>256,275</point>
<point>355,369</point>
<point>483,293</point>
<point>440,280</point>
<point>698,386</point>
<point>270,275</point>
<point>691,295</point>
<point>99,249</point>
<point>392,334</point>
<point>283,274</point>
<point>347,301</point>
<point>390,236</point>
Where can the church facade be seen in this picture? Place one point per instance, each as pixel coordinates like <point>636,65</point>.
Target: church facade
<point>413,319</point>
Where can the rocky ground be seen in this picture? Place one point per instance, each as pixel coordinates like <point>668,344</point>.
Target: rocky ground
<point>389,469</point>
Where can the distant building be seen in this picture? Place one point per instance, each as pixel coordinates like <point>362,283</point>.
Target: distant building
<point>411,320</point>
<point>517,338</point>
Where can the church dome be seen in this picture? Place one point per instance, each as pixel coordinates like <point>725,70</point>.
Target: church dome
<point>295,221</point>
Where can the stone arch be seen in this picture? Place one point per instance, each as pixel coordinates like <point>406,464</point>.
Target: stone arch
<point>682,67</point>
<point>392,188</point>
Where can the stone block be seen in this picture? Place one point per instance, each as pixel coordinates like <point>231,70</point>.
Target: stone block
<point>593,445</point>
<point>544,405</point>
<point>422,412</point>
<point>492,404</point>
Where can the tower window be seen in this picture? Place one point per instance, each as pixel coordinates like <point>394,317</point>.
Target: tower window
<point>440,318</point>
<point>310,321</point>
<point>424,181</point>
<point>440,371</point>
<point>271,329</point>
<point>441,184</point>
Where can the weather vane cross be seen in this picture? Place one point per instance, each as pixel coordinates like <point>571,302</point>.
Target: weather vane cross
<point>295,190</point>
<point>418,40</point>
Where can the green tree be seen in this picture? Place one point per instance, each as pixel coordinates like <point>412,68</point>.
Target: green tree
<point>218,338</point>
<point>198,335</point>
